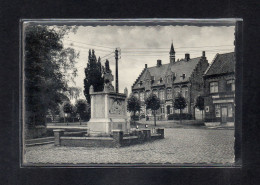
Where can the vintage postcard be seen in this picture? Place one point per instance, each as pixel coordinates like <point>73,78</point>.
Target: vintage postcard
<point>128,92</point>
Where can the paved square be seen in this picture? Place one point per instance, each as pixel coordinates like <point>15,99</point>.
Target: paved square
<point>179,146</point>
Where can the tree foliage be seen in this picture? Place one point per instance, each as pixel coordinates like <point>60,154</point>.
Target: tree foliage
<point>153,103</point>
<point>48,68</point>
<point>179,103</point>
<point>133,104</point>
<point>83,109</point>
<point>200,103</point>
<point>93,75</point>
<point>67,108</point>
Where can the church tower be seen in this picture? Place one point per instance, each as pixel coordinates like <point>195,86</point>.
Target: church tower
<point>172,54</point>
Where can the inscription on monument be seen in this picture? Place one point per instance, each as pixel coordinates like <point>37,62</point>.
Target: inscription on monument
<point>117,107</point>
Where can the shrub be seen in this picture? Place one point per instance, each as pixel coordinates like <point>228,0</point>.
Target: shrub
<point>68,119</point>
<point>184,116</point>
<point>135,117</point>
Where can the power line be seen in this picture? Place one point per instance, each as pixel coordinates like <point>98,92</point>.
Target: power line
<point>152,54</point>
<point>89,44</point>
<point>181,47</point>
<point>108,54</point>
<point>147,52</point>
<point>82,47</point>
<point>145,48</point>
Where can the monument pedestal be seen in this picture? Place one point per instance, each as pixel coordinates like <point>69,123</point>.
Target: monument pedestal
<point>108,112</point>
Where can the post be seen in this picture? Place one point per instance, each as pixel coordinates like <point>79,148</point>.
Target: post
<point>116,57</point>
<point>57,134</point>
<point>118,137</point>
<point>161,132</point>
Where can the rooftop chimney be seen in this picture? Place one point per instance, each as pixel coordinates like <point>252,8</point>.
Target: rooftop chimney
<point>187,56</point>
<point>145,65</point>
<point>159,63</point>
<point>203,54</point>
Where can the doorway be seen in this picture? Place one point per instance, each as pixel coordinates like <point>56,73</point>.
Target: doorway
<point>223,114</point>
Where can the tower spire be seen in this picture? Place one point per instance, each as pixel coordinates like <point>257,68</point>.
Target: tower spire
<point>172,54</point>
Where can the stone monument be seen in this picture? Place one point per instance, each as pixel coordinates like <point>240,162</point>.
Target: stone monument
<point>108,109</point>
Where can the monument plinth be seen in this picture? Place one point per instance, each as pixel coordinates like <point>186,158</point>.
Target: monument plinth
<point>108,111</point>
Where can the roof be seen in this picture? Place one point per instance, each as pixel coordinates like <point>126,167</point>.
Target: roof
<point>158,72</point>
<point>178,68</point>
<point>222,63</point>
<point>184,67</point>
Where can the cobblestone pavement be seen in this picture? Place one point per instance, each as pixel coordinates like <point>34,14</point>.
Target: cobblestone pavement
<point>179,146</point>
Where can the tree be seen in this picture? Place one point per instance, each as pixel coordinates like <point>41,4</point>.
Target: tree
<point>93,75</point>
<point>67,108</point>
<point>83,109</point>
<point>48,68</point>
<point>133,105</point>
<point>200,104</point>
<point>179,103</point>
<point>153,103</point>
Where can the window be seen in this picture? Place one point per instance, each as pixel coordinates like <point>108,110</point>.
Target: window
<point>142,96</point>
<point>169,79</point>
<point>176,91</point>
<point>213,87</point>
<point>171,110</point>
<point>185,92</point>
<point>147,93</point>
<point>169,93</point>
<point>161,80</point>
<point>155,92</point>
<point>217,111</point>
<point>147,82</point>
<point>230,85</point>
<point>162,110</point>
<point>161,95</point>
<point>230,110</point>
<point>136,95</point>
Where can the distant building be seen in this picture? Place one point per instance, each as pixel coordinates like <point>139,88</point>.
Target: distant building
<point>220,89</point>
<point>166,81</point>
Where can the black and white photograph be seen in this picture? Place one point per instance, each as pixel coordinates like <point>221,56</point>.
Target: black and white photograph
<point>128,93</point>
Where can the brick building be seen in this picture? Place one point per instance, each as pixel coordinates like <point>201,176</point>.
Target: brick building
<point>220,89</point>
<point>183,76</point>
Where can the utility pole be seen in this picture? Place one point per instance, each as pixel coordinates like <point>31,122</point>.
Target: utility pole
<point>116,57</point>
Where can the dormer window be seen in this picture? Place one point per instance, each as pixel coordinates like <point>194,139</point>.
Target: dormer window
<point>183,76</point>
<point>161,80</point>
<point>173,77</point>
<point>152,81</point>
<point>140,83</point>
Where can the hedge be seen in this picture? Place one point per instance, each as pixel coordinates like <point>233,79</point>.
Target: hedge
<point>184,116</point>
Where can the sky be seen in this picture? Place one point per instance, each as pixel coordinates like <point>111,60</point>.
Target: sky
<point>140,45</point>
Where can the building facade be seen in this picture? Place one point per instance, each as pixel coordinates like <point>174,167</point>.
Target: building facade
<point>166,81</point>
<point>220,90</point>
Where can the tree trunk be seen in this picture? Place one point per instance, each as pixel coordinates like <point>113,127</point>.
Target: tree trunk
<point>180,116</point>
<point>154,114</point>
<point>134,119</point>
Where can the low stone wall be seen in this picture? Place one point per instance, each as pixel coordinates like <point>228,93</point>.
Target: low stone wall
<point>36,132</point>
<point>212,124</point>
<point>87,141</point>
<point>117,140</point>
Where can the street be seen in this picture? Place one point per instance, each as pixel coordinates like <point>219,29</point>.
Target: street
<point>179,146</point>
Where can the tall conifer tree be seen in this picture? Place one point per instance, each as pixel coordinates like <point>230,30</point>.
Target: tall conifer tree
<point>93,75</point>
